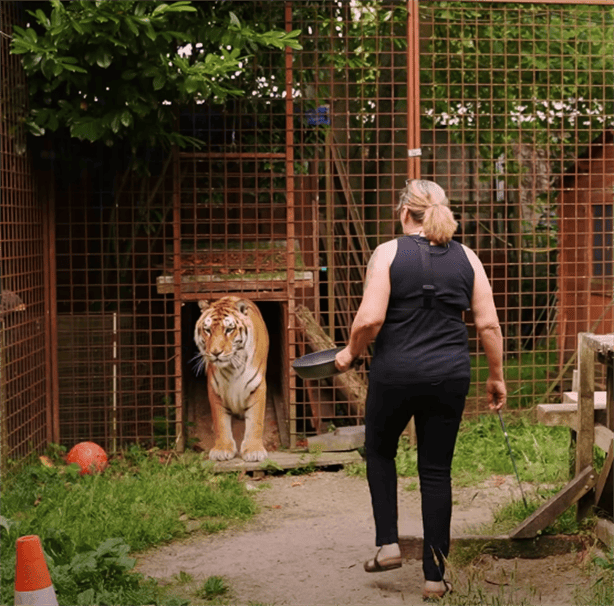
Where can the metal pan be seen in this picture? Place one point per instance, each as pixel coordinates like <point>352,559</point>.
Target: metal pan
<point>317,365</point>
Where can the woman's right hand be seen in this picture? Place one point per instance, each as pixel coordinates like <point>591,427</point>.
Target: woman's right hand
<point>496,393</point>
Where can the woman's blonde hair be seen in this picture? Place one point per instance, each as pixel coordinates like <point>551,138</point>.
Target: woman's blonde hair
<point>428,205</point>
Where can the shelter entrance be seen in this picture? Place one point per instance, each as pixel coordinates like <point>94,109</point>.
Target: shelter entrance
<point>198,427</point>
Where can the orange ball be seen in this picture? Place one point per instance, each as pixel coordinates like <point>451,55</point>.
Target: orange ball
<point>89,456</point>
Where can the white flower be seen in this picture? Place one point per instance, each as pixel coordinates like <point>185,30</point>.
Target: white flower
<point>185,51</point>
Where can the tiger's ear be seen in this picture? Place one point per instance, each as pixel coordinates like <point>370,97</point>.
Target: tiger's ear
<point>242,306</point>
<point>203,304</point>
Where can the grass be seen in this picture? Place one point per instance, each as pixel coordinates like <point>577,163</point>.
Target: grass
<point>148,500</point>
<point>470,587</point>
<point>541,453</point>
<point>602,590</point>
<point>140,498</point>
<point>511,514</point>
<point>527,376</point>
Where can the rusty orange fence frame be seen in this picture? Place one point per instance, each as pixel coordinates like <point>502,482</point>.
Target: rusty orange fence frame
<point>334,183</point>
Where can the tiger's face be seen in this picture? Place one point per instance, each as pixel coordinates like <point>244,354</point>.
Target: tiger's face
<point>220,334</point>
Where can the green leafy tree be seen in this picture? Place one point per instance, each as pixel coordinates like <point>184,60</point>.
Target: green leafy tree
<point>522,74</point>
<point>119,70</point>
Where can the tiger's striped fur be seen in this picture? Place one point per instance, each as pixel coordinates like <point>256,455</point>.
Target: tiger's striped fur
<point>233,341</point>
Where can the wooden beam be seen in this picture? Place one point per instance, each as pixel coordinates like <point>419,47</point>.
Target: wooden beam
<point>605,474</point>
<point>563,414</point>
<point>605,532</point>
<point>603,437</point>
<point>586,403</point>
<point>282,417</point>
<point>555,506</point>
<point>349,382</point>
<point>566,415</point>
<point>280,461</point>
<point>357,219</point>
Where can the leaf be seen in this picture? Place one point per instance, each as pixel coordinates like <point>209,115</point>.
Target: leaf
<point>73,68</point>
<point>35,129</point>
<point>161,8</point>
<point>47,67</point>
<point>126,118</point>
<point>234,19</point>
<point>87,597</point>
<point>31,35</point>
<point>180,7</point>
<point>159,81</point>
<point>116,123</point>
<point>42,18</point>
<point>191,85</point>
<point>91,129</point>
<point>53,122</point>
<point>6,523</point>
<point>129,22</point>
<point>104,59</point>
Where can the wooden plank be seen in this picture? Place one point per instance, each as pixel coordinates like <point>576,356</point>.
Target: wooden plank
<point>282,418</point>
<point>562,414</point>
<point>571,397</point>
<point>603,437</point>
<point>329,232</point>
<point>565,415</point>
<point>357,219</point>
<point>549,511</point>
<point>280,461</point>
<point>601,344</point>
<point>500,546</point>
<point>342,439</point>
<point>606,473</point>
<point>215,283</point>
<point>586,416</point>
<point>606,498</point>
<point>349,382</point>
<point>609,423</point>
<point>586,399</point>
<point>605,532</point>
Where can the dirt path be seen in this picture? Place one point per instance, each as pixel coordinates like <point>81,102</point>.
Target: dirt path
<point>308,543</point>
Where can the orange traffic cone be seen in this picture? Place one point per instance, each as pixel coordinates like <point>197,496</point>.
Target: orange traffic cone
<point>32,580</point>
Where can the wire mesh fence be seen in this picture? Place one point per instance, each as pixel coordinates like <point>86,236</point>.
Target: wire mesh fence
<point>24,397</point>
<point>508,105</point>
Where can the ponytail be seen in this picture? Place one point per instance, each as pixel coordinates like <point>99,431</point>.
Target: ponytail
<point>428,205</point>
<point>439,224</point>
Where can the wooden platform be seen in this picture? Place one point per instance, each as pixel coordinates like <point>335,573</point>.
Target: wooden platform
<point>566,414</point>
<point>590,414</point>
<point>283,461</point>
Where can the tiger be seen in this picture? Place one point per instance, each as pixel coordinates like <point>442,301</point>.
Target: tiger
<point>233,343</point>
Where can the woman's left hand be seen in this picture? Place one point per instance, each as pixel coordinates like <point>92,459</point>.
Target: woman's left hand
<point>343,360</point>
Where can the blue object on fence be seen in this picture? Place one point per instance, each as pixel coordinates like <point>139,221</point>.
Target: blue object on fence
<point>318,116</point>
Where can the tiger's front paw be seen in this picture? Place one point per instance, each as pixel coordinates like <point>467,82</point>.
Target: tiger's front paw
<point>255,452</point>
<point>223,451</point>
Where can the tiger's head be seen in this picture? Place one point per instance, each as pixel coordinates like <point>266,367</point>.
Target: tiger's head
<point>222,332</point>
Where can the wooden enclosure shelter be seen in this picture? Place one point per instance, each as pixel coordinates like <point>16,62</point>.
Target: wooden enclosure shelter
<point>293,189</point>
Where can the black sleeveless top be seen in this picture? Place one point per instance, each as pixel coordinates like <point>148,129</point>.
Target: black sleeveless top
<point>419,345</point>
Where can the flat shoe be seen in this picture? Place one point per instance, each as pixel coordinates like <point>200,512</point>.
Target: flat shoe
<point>377,565</point>
<point>431,595</point>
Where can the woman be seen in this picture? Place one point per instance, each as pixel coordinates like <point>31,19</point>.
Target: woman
<point>416,289</point>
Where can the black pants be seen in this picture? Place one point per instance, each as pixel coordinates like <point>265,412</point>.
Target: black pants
<point>437,409</point>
